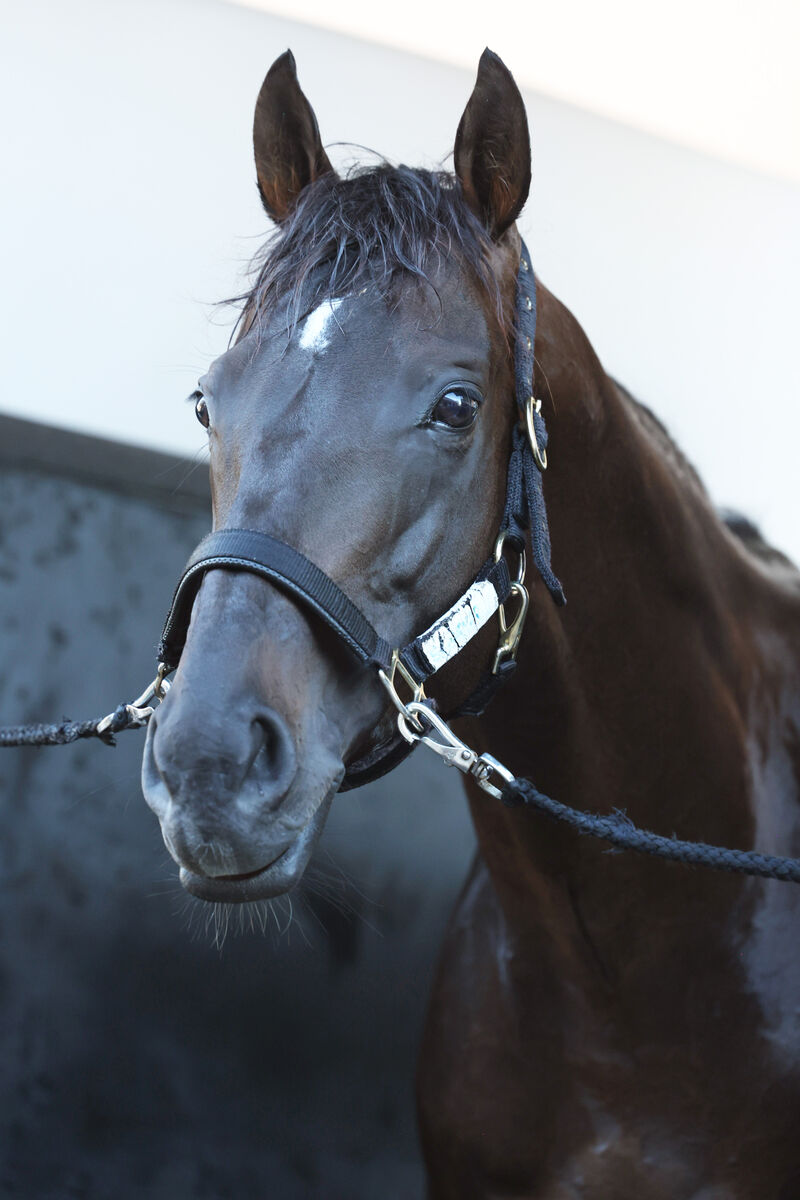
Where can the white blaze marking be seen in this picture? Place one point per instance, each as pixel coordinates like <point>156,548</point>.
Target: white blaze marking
<point>462,622</point>
<point>315,327</point>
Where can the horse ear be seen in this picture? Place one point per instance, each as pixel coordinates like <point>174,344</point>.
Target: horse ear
<point>288,149</point>
<point>493,147</point>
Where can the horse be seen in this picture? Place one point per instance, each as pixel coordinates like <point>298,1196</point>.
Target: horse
<point>601,1025</point>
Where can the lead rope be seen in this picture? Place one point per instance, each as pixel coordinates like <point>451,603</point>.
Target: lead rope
<point>125,716</point>
<point>616,827</point>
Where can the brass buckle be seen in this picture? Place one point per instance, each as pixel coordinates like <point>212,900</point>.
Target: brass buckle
<point>510,631</point>
<point>540,456</point>
<point>396,667</point>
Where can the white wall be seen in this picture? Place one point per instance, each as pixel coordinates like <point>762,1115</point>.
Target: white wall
<point>128,207</point>
<point>720,77</point>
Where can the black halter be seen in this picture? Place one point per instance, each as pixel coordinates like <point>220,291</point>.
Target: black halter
<point>266,556</point>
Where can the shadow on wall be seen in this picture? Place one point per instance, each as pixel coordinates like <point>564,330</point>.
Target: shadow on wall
<point>139,1058</point>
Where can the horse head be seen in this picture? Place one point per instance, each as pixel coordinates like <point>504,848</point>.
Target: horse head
<point>362,415</point>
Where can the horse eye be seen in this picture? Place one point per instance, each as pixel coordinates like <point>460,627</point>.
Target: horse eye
<point>456,408</point>
<point>201,409</point>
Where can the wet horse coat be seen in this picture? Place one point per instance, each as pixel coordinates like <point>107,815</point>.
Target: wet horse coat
<point>602,1026</point>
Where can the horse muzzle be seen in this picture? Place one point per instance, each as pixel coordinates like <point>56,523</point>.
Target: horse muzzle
<point>232,805</point>
<point>279,876</point>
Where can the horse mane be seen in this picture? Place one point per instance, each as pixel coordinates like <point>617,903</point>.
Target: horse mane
<point>370,228</point>
<point>662,437</point>
<point>743,529</point>
<point>754,541</point>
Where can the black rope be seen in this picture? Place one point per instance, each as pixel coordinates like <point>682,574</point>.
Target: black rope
<point>616,827</point>
<point>68,731</point>
<point>525,506</point>
<point>620,831</point>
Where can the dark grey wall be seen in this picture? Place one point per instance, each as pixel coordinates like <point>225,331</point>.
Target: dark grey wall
<point>136,1058</point>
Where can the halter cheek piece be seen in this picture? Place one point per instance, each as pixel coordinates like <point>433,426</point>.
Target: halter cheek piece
<point>489,593</point>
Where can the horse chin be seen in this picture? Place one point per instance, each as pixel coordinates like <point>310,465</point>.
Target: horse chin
<point>274,879</point>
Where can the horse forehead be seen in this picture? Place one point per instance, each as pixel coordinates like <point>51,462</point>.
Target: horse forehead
<point>368,341</point>
<point>418,314</point>
<point>317,329</point>
<point>344,337</point>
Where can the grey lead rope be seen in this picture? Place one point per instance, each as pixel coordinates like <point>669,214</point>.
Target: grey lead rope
<point>69,731</point>
<point>124,716</point>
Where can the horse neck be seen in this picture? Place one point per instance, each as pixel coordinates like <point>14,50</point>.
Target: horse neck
<point>654,689</point>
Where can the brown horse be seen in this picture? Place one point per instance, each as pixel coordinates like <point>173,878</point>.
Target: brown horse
<point>602,1026</point>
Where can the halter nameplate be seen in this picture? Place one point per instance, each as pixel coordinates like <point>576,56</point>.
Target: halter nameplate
<point>450,634</point>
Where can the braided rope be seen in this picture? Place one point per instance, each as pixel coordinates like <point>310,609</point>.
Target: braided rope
<point>620,831</point>
<point>67,731</point>
<point>615,828</point>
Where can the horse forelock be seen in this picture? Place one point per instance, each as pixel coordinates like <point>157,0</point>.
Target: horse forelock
<point>374,228</point>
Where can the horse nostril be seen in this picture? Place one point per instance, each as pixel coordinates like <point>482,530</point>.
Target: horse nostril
<point>275,763</point>
<point>238,754</point>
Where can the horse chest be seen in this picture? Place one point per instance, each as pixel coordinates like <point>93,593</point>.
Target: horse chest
<point>531,1085</point>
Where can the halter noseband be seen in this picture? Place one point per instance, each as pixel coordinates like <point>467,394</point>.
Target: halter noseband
<point>266,556</point>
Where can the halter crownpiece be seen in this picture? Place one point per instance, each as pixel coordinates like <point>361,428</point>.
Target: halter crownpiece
<point>529,455</point>
<point>489,593</point>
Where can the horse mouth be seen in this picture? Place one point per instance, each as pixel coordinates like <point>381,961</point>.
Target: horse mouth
<point>277,877</point>
<point>272,880</point>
